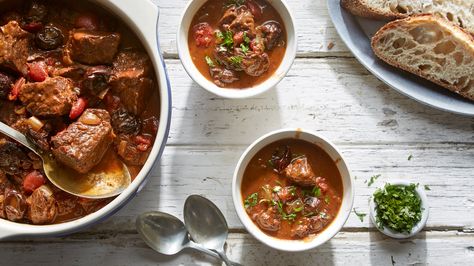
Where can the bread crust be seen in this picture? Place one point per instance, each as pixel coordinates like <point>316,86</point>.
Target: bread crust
<point>361,9</point>
<point>426,17</point>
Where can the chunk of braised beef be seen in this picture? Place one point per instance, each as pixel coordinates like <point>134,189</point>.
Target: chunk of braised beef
<point>93,47</point>
<point>124,122</point>
<point>255,64</point>
<point>222,76</point>
<point>238,19</point>
<point>271,33</point>
<point>6,83</point>
<point>311,204</point>
<point>134,150</point>
<point>307,226</point>
<point>269,220</point>
<point>150,125</point>
<point>226,57</point>
<point>14,47</point>
<point>299,171</point>
<point>13,159</point>
<point>52,97</point>
<point>287,193</point>
<point>281,158</point>
<point>43,208</point>
<point>14,205</point>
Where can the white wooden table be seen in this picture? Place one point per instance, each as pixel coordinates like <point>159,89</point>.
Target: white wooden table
<point>327,91</point>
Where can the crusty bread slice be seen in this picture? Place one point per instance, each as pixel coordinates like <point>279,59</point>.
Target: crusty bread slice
<point>430,47</point>
<point>460,12</point>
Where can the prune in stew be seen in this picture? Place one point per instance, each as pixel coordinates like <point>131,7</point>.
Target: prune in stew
<point>311,204</point>
<point>281,158</point>
<point>14,205</point>
<point>13,159</point>
<point>300,172</point>
<point>83,144</point>
<point>33,20</point>
<point>271,31</point>
<point>269,220</point>
<point>96,79</point>
<point>6,84</point>
<point>14,48</point>
<point>124,122</point>
<point>307,226</point>
<point>43,206</point>
<point>52,97</point>
<point>49,38</point>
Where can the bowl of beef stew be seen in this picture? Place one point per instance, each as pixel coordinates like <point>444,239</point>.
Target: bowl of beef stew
<point>237,48</point>
<point>292,190</point>
<point>79,80</point>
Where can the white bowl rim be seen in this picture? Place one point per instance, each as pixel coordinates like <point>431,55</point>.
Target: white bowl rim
<point>233,93</point>
<point>424,214</point>
<point>304,244</point>
<point>149,38</point>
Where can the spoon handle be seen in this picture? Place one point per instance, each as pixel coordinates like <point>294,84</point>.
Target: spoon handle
<point>198,247</point>
<point>226,260</point>
<point>14,134</point>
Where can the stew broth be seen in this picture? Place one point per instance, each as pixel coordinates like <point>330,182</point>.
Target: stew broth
<point>261,174</point>
<point>211,13</point>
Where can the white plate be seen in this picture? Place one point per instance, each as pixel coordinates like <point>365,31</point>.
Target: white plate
<point>356,33</point>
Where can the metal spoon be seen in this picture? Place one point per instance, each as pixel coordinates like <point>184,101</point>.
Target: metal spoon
<point>207,225</point>
<point>109,178</point>
<point>166,234</point>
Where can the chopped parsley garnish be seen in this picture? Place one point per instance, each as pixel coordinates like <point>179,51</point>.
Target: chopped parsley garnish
<point>398,207</point>
<point>410,157</point>
<point>292,190</point>
<point>209,61</point>
<point>316,191</point>
<point>251,200</point>
<point>227,39</point>
<point>284,216</point>
<point>244,48</point>
<point>326,199</point>
<point>427,187</point>
<point>236,60</point>
<point>372,180</point>
<point>276,189</point>
<point>361,215</point>
<point>323,215</point>
<point>246,38</point>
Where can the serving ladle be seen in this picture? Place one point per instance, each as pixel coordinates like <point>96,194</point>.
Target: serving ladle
<point>166,234</point>
<point>109,178</point>
<point>207,225</point>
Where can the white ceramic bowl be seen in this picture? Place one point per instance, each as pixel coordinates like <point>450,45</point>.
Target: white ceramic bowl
<point>424,214</point>
<point>142,18</point>
<point>183,50</point>
<point>347,199</point>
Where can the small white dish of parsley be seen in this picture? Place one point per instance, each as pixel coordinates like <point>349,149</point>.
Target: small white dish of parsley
<point>399,209</point>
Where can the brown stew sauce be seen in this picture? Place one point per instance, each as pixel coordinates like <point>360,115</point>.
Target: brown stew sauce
<point>277,210</point>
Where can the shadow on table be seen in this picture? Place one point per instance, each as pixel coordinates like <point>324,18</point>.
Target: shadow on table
<point>411,251</point>
<point>256,253</point>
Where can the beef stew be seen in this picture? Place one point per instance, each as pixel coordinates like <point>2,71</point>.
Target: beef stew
<point>292,189</point>
<point>77,82</point>
<point>237,44</point>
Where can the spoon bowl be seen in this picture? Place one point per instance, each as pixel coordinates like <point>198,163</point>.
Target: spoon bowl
<point>166,234</point>
<point>207,225</point>
<point>107,179</point>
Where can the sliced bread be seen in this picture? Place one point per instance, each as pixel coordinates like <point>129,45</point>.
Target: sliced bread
<point>431,48</point>
<point>460,12</point>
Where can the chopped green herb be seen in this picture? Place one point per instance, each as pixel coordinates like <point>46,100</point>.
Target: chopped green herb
<point>323,215</point>
<point>251,200</point>
<point>219,35</point>
<point>209,61</point>
<point>276,188</point>
<point>244,48</point>
<point>372,180</point>
<point>360,215</point>
<point>326,199</point>
<point>427,187</point>
<point>410,157</point>
<point>398,207</point>
<point>236,60</point>
<point>292,190</point>
<point>246,38</point>
<point>308,214</point>
<point>316,191</point>
<point>227,39</point>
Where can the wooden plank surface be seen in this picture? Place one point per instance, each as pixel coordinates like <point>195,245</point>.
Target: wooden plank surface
<point>326,91</point>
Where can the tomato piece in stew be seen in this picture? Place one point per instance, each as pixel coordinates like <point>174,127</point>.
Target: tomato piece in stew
<point>292,189</point>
